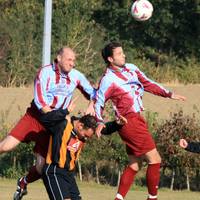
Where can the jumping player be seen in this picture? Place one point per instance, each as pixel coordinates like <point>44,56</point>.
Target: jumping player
<point>125,84</point>
<point>53,89</point>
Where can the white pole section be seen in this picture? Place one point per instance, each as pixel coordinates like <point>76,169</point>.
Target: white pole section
<point>46,49</point>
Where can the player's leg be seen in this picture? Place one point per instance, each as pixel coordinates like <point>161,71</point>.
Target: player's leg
<point>8,143</point>
<point>127,177</point>
<point>73,187</point>
<point>34,172</point>
<point>30,130</point>
<point>136,135</point>
<point>56,183</point>
<point>40,150</point>
<point>153,173</point>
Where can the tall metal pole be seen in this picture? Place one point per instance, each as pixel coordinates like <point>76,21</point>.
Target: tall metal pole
<point>46,49</point>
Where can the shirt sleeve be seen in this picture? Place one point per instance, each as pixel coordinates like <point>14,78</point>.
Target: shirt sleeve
<point>110,128</point>
<point>151,86</point>
<point>40,86</point>
<point>103,93</point>
<point>85,87</point>
<point>193,147</point>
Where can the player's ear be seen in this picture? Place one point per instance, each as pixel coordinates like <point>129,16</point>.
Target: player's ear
<point>58,58</point>
<point>110,59</point>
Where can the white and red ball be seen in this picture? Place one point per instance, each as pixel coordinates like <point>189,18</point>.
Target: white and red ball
<point>141,10</point>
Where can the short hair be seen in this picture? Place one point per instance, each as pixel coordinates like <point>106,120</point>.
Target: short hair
<point>107,51</point>
<point>60,52</point>
<point>88,121</point>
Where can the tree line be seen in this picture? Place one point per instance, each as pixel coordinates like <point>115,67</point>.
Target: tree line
<point>166,47</point>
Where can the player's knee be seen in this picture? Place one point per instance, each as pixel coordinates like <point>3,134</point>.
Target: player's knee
<point>3,148</point>
<point>40,161</point>
<point>8,143</point>
<point>134,166</point>
<point>155,159</point>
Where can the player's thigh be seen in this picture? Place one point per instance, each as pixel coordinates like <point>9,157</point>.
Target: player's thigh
<point>27,128</point>
<point>54,179</point>
<point>8,143</point>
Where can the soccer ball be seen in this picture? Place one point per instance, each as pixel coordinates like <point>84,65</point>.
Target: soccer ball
<point>141,10</point>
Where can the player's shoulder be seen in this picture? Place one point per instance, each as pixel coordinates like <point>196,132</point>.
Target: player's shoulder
<point>45,69</point>
<point>107,74</point>
<point>131,66</point>
<point>76,72</point>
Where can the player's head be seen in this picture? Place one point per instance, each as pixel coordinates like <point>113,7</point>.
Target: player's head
<point>65,58</point>
<point>86,126</point>
<point>113,54</point>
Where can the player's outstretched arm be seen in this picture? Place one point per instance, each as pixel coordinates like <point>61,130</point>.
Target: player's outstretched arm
<point>178,97</point>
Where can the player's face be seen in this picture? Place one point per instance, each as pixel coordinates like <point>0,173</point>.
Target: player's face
<point>118,58</point>
<point>85,133</point>
<point>66,61</point>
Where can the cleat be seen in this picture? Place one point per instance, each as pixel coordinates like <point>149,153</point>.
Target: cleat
<point>21,189</point>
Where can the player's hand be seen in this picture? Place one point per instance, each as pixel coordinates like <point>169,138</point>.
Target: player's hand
<point>121,120</point>
<point>46,109</point>
<point>90,109</point>
<point>183,143</point>
<point>72,104</point>
<point>178,97</point>
<point>99,129</point>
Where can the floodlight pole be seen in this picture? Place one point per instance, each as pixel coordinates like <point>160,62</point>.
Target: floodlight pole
<point>46,48</point>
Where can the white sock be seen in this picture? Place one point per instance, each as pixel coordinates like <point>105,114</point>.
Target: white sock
<point>119,196</point>
<point>152,197</point>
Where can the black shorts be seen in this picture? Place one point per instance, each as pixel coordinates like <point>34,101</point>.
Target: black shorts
<point>60,183</point>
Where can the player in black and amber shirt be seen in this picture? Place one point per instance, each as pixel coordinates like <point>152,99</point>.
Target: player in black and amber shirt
<point>66,142</point>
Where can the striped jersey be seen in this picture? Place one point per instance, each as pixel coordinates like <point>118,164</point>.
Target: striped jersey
<point>125,88</point>
<point>55,89</point>
<point>64,147</point>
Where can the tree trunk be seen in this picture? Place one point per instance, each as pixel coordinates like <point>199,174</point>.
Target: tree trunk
<point>188,181</point>
<point>14,162</point>
<point>80,171</point>
<point>119,176</point>
<point>172,181</point>
<point>197,178</point>
<point>97,173</point>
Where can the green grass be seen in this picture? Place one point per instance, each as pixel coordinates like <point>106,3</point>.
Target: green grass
<point>92,191</point>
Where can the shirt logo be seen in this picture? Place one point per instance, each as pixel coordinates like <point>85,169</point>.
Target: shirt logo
<point>73,145</point>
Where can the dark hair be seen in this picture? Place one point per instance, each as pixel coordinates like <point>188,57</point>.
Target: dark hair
<point>107,51</point>
<point>89,121</point>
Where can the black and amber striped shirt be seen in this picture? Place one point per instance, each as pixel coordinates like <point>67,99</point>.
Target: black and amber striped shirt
<point>64,147</point>
<point>64,144</point>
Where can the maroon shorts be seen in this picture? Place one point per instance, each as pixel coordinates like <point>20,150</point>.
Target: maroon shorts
<point>136,136</point>
<point>29,129</point>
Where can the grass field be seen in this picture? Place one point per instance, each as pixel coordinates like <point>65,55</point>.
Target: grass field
<point>92,191</point>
